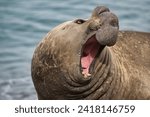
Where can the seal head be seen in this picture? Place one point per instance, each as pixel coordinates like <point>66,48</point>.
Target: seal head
<point>63,62</point>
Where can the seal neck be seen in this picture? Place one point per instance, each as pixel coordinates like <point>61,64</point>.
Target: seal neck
<point>109,78</point>
<point>106,82</point>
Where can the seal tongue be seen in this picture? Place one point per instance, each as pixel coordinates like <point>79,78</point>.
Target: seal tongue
<point>90,49</point>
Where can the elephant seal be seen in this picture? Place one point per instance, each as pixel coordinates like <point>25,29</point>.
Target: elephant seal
<point>92,59</point>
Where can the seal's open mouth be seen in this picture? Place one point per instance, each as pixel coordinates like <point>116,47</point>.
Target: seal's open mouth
<point>89,51</point>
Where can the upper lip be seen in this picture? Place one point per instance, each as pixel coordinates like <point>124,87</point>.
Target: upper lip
<point>89,36</point>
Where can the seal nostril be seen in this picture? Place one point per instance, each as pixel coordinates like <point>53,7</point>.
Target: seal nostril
<point>102,9</point>
<point>99,10</point>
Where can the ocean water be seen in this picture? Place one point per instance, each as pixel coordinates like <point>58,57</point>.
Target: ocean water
<point>23,23</point>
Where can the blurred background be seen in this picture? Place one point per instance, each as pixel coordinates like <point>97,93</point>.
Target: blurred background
<point>23,23</point>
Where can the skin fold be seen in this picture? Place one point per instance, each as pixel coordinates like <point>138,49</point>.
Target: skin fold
<point>92,59</point>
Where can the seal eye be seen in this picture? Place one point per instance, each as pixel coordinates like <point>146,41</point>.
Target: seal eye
<point>79,21</point>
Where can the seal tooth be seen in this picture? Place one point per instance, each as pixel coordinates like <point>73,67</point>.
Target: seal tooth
<point>86,74</point>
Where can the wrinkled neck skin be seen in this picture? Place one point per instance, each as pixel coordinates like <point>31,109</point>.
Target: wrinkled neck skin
<point>107,81</point>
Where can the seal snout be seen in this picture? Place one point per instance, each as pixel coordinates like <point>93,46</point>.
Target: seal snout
<point>106,24</point>
<point>103,25</point>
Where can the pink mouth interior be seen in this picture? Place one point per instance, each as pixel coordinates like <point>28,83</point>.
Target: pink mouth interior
<point>90,49</point>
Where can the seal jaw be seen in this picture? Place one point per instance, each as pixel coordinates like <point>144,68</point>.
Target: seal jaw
<point>102,31</point>
<point>90,50</point>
